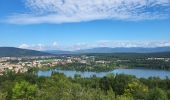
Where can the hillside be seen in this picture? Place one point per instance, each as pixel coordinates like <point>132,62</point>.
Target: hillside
<point>58,52</point>
<point>13,52</point>
<point>113,50</point>
<point>125,50</point>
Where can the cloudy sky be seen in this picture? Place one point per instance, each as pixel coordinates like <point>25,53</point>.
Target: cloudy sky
<point>80,24</point>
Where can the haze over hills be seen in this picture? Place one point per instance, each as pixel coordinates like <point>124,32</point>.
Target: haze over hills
<point>125,49</point>
<point>13,52</point>
<point>59,52</point>
<point>113,50</point>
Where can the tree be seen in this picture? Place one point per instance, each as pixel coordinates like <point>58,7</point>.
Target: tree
<point>24,90</point>
<point>120,83</point>
<point>136,89</point>
<point>157,94</point>
<point>105,84</point>
<point>3,95</point>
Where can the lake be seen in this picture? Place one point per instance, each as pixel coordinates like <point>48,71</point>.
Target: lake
<point>140,73</point>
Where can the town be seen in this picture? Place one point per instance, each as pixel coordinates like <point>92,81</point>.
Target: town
<point>22,64</point>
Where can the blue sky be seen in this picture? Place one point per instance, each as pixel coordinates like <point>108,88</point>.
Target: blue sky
<point>72,25</point>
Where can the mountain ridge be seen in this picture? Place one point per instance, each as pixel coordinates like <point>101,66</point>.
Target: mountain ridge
<point>16,52</point>
<point>114,50</point>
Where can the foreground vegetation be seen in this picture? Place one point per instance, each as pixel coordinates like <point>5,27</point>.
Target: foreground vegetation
<point>28,86</point>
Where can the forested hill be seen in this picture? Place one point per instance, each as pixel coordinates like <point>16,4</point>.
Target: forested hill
<point>124,49</point>
<point>131,55</point>
<point>113,50</point>
<point>13,52</point>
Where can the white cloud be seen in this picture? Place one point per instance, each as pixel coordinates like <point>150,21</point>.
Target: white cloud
<point>133,43</point>
<point>66,11</point>
<point>104,43</point>
<point>55,44</point>
<point>25,46</point>
<point>40,46</point>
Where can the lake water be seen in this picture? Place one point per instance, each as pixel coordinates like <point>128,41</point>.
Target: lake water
<point>140,73</point>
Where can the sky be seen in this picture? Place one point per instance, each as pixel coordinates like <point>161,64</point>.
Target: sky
<point>82,24</point>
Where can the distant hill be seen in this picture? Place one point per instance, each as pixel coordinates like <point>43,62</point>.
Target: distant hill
<point>113,50</point>
<point>132,55</point>
<point>124,50</point>
<point>58,52</point>
<point>13,52</point>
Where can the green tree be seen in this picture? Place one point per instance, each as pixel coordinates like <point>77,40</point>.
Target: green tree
<point>157,94</point>
<point>105,84</point>
<point>3,95</point>
<point>24,90</point>
<point>136,89</point>
<point>120,83</point>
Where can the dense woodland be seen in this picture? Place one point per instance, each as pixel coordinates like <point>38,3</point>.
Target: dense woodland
<point>120,60</point>
<point>28,86</point>
<point>87,67</point>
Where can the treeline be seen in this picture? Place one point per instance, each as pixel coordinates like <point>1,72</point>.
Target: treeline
<point>133,63</point>
<point>131,60</point>
<point>149,64</point>
<point>106,56</point>
<point>87,67</point>
<point>28,86</point>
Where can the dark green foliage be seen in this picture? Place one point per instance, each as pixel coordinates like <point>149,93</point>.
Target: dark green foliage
<point>24,90</point>
<point>157,94</point>
<point>86,67</point>
<point>28,86</point>
<point>105,84</point>
<point>120,83</point>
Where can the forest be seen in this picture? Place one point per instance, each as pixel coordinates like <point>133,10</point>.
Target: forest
<point>119,60</point>
<point>30,86</point>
